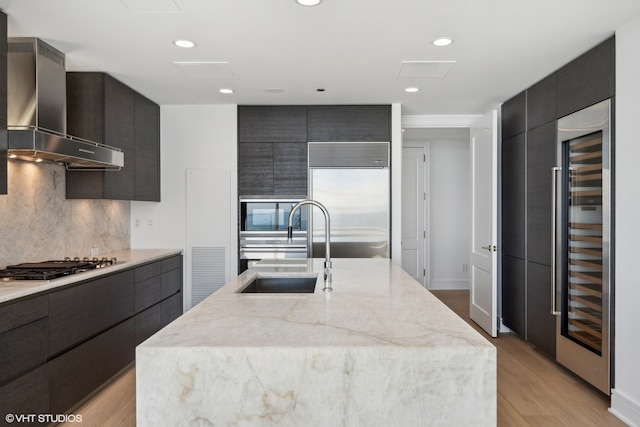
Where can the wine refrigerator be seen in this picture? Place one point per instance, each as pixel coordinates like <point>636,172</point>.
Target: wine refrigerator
<point>581,250</point>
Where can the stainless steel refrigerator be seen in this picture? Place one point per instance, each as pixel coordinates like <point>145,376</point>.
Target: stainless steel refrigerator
<point>351,179</point>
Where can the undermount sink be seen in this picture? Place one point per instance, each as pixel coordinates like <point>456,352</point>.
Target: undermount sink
<point>281,285</point>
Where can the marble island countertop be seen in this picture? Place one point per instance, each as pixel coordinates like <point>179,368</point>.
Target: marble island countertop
<point>378,350</point>
<point>128,258</point>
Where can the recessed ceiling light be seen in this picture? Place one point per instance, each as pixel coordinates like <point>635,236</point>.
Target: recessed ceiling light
<point>274,90</point>
<point>226,90</point>
<point>442,41</point>
<point>411,89</point>
<point>308,2</point>
<point>184,43</point>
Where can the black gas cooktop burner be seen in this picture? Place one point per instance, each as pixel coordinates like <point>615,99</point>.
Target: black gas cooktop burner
<point>48,270</point>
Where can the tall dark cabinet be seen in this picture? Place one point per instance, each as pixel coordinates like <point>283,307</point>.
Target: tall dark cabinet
<point>529,126</point>
<point>3,103</point>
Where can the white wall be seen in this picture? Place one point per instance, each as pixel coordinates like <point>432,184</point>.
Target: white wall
<point>192,137</point>
<point>396,183</point>
<point>625,399</point>
<point>450,211</point>
<point>449,220</point>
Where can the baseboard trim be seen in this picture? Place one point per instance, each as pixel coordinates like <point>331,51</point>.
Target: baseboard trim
<point>449,285</point>
<point>625,408</point>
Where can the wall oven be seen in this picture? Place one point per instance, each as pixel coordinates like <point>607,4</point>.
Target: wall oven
<point>263,229</point>
<point>582,256</point>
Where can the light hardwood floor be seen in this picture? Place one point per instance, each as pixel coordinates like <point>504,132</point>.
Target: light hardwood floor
<point>532,389</point>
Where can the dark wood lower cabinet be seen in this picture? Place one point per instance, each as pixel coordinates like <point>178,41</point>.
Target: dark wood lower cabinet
<point>513,295</point>
<point>541,325</point>
<point>26,395</point>
<point>78,372</point>
<point>57,349</point>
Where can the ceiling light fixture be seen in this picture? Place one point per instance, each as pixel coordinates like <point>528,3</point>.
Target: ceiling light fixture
<point>308,2</point>
<point>442,41</point>
<point>411,90</point>
<point>226,90</point>
<point>184,43</point>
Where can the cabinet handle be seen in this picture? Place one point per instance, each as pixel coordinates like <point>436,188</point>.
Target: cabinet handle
<point>554,231</point>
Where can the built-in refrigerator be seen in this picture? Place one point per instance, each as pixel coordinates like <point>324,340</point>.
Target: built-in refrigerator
<point>351,179</point>
<point>582,257</point>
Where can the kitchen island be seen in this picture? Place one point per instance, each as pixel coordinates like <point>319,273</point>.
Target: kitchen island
<point>379,350</point>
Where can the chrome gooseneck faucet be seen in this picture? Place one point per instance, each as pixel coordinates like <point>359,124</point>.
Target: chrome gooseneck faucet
<point>327,232</point>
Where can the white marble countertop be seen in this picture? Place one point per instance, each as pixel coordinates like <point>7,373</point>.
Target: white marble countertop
<point>10,290</point>
<point>378,350</point>
<point>373,303</point>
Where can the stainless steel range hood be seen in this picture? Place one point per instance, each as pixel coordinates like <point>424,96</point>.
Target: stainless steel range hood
<point>36,111</point>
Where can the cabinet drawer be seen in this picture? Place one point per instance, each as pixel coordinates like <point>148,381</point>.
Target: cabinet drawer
<point>79,313</point>
<point>28,394</point>
<point>171,282</point>
<point>171,309</point>
<point>148,323</point>
<point>78,372</point>
<point>20,313</point>
<point>147,293</point>
<point>23,348</point>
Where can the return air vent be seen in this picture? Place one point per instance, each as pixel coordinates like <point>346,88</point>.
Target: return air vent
<point>425,69</point>
<point>207,272</point>
<point>206,70</point>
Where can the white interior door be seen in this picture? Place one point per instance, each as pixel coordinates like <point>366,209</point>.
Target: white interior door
<point>484,223</point>
<point>413,213</point>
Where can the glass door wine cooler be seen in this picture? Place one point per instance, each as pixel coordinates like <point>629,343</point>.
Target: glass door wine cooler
<point>581,258</point>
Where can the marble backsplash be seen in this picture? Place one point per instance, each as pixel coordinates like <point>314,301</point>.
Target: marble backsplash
<point>37,223</point>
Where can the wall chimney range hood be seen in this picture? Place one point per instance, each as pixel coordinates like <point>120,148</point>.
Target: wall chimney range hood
<point>37,111</point>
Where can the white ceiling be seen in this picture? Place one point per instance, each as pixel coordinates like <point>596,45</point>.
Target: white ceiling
<point>353,49</point>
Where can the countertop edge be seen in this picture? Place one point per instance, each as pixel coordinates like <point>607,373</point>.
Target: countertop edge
<point>129,258</point>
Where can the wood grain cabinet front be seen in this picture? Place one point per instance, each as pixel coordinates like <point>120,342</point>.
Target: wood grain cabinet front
<point>85,310</point>
<point>102,109</point>
<point>349,123</point>
<point>3,103</point>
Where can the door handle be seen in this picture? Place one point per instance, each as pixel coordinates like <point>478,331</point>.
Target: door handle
<point>554,233</point>
<point>490,248</point>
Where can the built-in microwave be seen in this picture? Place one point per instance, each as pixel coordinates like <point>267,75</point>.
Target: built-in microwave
<point>260,213</point>
<point>263,229</point>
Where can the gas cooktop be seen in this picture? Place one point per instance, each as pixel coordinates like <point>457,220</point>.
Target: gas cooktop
<point>48,270</point>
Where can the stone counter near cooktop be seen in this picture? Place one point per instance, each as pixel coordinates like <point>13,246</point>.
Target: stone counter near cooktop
<point>127,258</point>
<point>379,350</point>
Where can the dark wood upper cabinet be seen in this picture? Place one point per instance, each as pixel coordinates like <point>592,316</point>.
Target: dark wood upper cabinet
<point>344,123</point>
<point>272,124</point>
<point>541,157</point>
<point>514,115</point>
<point>588,79</point>
<point>289,168</point>
<point>3,103</point>
<point>147,150</point>
<point>255,168</point>
<point>102,109</point>
<point>541,102</point>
